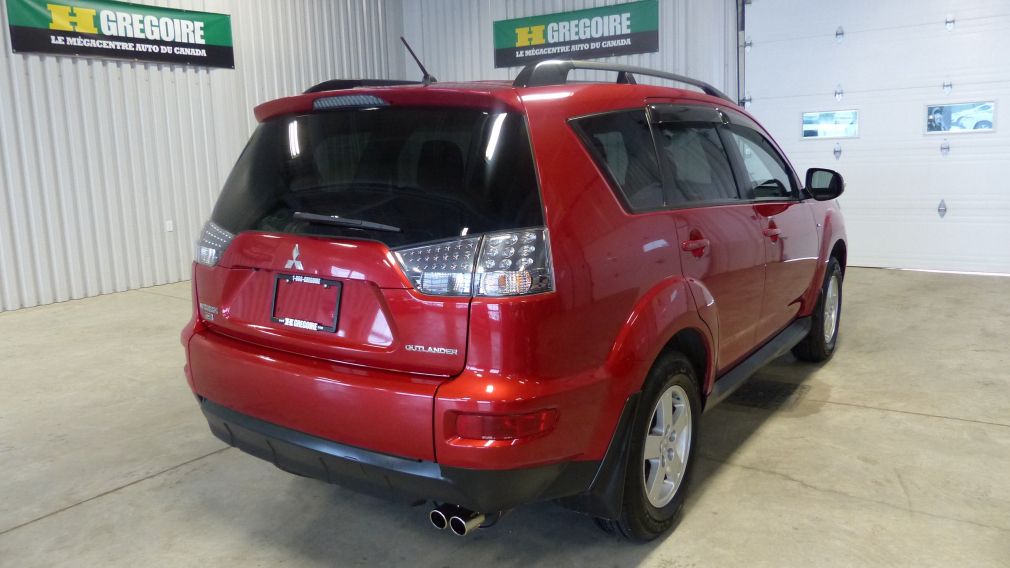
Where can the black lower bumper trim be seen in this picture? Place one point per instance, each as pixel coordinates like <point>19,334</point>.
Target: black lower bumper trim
<point>390,476</point>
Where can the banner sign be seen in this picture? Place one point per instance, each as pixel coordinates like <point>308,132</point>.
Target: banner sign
<point>104,28</point>
<point>583,34</point>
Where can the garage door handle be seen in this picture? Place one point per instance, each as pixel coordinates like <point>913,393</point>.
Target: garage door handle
<point>696,246</point>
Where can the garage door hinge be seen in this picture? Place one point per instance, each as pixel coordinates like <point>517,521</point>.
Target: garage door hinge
<point>942,209</point>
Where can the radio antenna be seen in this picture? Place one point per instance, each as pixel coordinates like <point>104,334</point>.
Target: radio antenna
<point>427,79</point>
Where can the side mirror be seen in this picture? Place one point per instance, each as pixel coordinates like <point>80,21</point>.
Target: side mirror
<point>824,185</point>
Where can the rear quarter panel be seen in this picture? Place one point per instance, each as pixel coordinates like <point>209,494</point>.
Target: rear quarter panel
<point>619,298</point>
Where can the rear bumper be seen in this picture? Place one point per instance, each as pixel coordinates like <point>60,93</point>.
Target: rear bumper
<point>405,415</point>
<point>384,475</point>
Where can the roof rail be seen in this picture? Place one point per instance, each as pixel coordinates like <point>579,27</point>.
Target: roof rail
<point>341,84</point>
<point>555,72</point>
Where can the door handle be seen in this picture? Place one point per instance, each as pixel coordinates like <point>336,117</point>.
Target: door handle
<point>695,246</point>
<point>772,232</point>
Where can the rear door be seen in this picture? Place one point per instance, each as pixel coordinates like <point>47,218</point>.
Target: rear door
<point>720,238</point>
<point>791,242</point>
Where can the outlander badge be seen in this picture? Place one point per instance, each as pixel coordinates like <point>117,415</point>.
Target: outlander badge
<point>294,262</point>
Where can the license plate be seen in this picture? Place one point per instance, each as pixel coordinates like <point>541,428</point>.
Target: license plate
<point>306,302</point>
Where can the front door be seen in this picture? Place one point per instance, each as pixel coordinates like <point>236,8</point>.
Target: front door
<point>786,223</point>
<point>721,243</point>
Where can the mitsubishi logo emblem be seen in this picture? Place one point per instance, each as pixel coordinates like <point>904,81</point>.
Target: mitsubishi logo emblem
<point>294,262</point>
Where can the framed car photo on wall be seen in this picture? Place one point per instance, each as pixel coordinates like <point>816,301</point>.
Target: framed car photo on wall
<point>961,117</point>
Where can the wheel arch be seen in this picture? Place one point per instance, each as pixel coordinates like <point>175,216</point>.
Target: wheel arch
<point>691,342</point>
<point>664,318</point>
<point>840,251</point>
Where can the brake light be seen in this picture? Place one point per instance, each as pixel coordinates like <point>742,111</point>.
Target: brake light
<point>510,263</point>
<point>213,241</point>
<point>505,427</point>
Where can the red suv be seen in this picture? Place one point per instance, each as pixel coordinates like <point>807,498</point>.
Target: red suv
<point>488,294</point>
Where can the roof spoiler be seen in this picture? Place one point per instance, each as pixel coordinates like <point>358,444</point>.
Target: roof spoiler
<point>555,72</point>
<point>341,84</point>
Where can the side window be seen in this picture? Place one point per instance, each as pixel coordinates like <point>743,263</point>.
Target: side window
<point>695,162</point>
<point>767,175</point>
<point>622,144</point>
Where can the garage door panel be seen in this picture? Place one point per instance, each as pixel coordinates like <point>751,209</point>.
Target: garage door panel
<point>891,64</point>
<point>920,244</point>
<point>779,20</point>
<point>876,61</point>
<point>894,120</point>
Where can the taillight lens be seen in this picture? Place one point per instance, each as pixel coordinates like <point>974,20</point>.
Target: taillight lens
<point>512,263</point>
<point>505,427</point>
<point>213,241</point>
<point>444,269</point>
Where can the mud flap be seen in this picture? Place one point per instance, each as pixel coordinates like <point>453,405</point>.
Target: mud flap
<point>605,496</point>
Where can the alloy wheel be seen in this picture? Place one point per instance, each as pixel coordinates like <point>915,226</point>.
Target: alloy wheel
<point>667,446</point>
<point>832,304</point>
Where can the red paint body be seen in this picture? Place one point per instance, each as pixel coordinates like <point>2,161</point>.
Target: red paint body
<point>625,284</point>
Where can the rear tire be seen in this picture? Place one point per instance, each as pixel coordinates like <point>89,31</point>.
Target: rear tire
<point>819,344</point>
<point>661,456</point>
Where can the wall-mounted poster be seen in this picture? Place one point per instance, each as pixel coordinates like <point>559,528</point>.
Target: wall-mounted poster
<point>831,124</point>
<point>961,117</point>
<point>119,30</point>
<point>606,31</point>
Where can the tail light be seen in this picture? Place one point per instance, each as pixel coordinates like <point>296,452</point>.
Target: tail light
<point>513,263</point>
<point>445,269</point>
<point>213,241</point>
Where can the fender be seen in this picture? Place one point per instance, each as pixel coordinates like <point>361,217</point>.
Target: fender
<point>833,231</point>
<point>666,309</point>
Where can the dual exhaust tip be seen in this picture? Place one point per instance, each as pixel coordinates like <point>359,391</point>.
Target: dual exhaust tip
<point>457,519</point>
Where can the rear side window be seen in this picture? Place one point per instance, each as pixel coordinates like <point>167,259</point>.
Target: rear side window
<point>622,144</point>
<point>696,165</point>
<point>434,173</point>
<point>767,175</point>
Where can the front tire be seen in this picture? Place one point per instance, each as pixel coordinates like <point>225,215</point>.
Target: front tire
<point>819,344</point>
<point>661,456</point>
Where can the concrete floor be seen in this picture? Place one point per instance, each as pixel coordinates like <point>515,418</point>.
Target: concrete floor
<point>895,453</point>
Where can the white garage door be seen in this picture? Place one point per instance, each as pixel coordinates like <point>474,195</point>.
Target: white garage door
<point>889,60</point>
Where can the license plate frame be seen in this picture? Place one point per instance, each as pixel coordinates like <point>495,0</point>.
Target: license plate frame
<point>325,283</point>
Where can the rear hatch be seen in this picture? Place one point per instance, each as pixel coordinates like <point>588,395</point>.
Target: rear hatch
<point>351,234</point>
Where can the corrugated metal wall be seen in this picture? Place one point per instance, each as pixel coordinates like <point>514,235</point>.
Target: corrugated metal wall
<point>454,37</point>
<point>97,155</point>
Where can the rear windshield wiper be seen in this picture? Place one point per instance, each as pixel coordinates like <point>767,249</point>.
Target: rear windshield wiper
<point>343,222</point>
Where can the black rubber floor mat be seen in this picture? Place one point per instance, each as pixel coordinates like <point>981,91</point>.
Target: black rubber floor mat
<point>768,394</point>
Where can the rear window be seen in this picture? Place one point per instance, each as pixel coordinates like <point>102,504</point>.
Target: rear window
<point>434,173</point>
<point>622,142</point>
